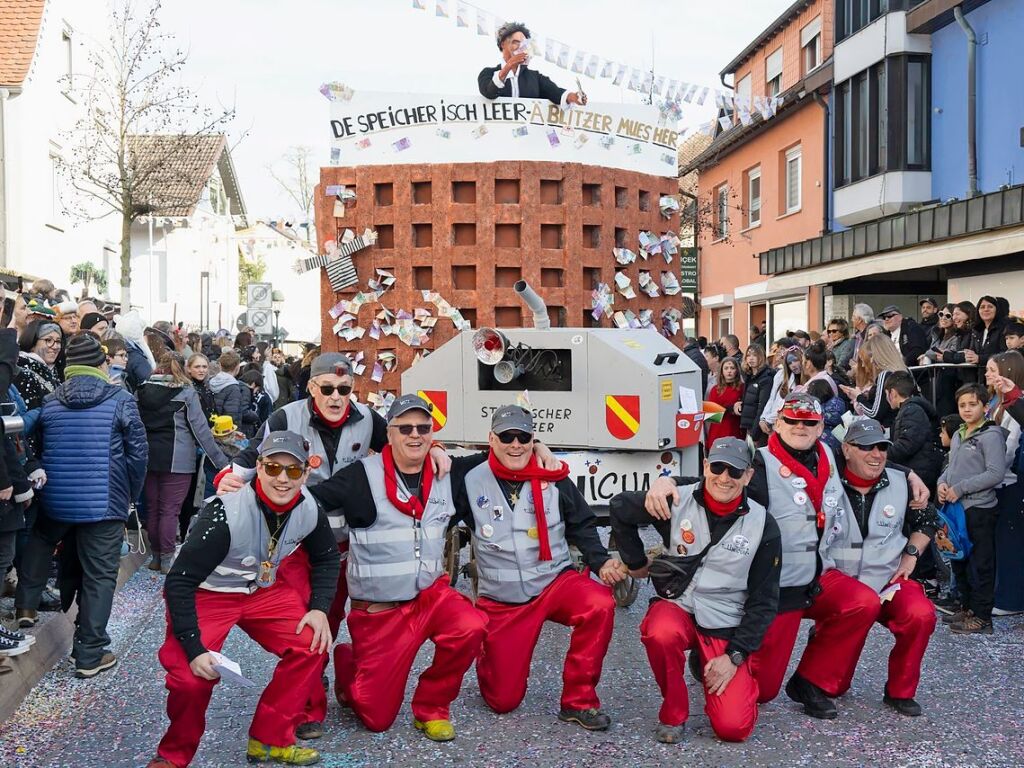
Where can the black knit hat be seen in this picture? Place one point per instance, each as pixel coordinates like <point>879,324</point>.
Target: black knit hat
<point>85,349</point>
<point>92,319</point>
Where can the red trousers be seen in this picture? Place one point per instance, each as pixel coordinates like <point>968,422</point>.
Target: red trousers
<point>667,632</point>
<point>269,616</point>
<point>910,616</point>
<point>843,614</point>
<point>573,600</point>
<point>372,672</point>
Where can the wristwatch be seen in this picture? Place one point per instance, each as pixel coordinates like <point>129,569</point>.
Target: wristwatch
<point>737,657</point>
<point>911,550</point>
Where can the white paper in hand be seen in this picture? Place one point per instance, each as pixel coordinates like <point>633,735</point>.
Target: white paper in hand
<point>229,670</point>
<point>889,592</point>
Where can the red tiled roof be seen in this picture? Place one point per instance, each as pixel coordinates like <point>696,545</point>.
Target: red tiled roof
<point>177,168</point>
<point>19,30</point>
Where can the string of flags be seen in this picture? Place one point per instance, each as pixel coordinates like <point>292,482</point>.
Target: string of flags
<point>672,93</point>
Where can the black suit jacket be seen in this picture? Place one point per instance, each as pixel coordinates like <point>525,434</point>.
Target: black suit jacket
<point>532,85</point>
<point>913,341</point>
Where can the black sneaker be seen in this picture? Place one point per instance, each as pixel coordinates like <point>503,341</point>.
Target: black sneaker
<point>310,730</point>
<point>105,663</point>
<point>906,707</point>
<point>591,719</point>
<point>816,703</point>
<point>18,637</point>
<point>9,647</point>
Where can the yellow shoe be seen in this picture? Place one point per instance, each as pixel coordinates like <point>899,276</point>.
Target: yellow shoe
<point>436,730</point>
<point>258,752</point>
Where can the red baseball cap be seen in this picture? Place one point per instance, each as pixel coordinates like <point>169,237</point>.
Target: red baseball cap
<point>800,405</point>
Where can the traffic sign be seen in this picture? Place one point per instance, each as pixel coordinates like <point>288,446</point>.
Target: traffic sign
<point>262,321</point>
<point>259,296</point>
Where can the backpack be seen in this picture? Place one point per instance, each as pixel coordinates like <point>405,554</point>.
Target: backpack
<point>951,538</point>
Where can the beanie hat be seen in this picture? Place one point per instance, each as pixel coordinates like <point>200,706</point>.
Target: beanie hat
<point>85,349</point>
<point>92,319</point>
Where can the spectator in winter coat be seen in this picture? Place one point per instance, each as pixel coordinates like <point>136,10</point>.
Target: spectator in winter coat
<point>1013,336</point>
<point>944,339</point>
<point>839,341</point>
<point>833,407</point>
<point>198,367</point>
<point>988,333</point>
<point>909,337</point>
<point>728,393</point>
<point>915,431</point>
<point>965,317</point>
<point>230,396</point>
<point>929,313</point>
<point>175,427</point>
<point>261,401</point>
<point>94,455</point>
<point>285,383</point>
<point>877,358</point>
<point>140,360</point>
<point>37,376</point>
<point>692,350</point>
<point>757,388</point>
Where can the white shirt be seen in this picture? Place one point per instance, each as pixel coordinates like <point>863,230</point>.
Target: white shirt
<point>513,77</point>
<point>895,336</point>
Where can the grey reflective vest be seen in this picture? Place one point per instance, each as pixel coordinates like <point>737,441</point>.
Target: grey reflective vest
<point>353,444</point>
<point>397,556</point>
<point>873,560</point>
<point>792,508</point>
<point>718,591</point>
<point>507,555</point>
<point>250,540</point>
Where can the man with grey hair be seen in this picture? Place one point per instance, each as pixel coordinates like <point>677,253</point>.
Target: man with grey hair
<point>861,317</point>
<point>512,77</point>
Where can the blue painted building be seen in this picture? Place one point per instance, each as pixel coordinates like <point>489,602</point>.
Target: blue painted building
<point>999,27</point>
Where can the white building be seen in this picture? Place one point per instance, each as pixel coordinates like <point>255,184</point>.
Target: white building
<point>184,255</point>
<point>44,45</point>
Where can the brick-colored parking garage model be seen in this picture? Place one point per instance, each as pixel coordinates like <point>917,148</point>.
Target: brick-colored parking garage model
<point>470,231</point>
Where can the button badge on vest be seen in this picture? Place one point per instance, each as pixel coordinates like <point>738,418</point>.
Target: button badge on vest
<point>315,461</point>
<point>482,501</point>
<point>831,501</point>
<point>798,482</point>
<point>532,532</point>
<point>487,531</point>
<point>800,498</point>
<point>681,549</point>
<point>497,513</point>
<point>889,510</point>
<point>785,471</point>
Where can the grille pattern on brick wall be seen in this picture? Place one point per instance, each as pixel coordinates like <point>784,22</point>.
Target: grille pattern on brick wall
<point>470,231</point>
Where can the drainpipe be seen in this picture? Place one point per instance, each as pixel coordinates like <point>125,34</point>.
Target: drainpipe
<point>5,94</point>
<point>972,101</point>
<point>826,221</point>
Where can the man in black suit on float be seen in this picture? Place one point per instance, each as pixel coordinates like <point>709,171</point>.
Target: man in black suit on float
<point>513,79</point>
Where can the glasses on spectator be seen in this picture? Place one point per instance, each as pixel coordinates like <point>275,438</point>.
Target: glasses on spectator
<point>886,317</point>
<point>947,315</point>
<point>514,434</point>
<point>328,389</point>
<point>834,330</point>
<point>883,447</point>
<point>407,429</point>
<point>718,467</point>
<point>805,422</point>
<point>51,342</point>
<point>292,471</point>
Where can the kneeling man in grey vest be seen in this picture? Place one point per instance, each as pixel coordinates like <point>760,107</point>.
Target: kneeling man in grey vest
<point>718,590</point>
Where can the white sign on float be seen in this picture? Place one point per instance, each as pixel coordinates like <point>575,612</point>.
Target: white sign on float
<point>386,129</point>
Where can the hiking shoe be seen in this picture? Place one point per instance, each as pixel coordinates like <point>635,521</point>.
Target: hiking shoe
<point>972,625</point>
<point>310,730</point>
<point>906,707</point>
<point>959,616</point>
<point>693,662</point>
<point>816,703</point>
<point>25,618</point>
<point>669,734</point>
<point>84,673</point>
<point>9,647</point>
<point>591,719</point>
<point>258,752</point>
<point>436,730</point>
<point>18,637</point>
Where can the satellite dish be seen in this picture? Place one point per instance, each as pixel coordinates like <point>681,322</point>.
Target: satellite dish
<point>489,346</point>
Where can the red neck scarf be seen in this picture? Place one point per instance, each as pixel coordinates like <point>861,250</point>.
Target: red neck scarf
<point>815,484</point>
<point>332,424</point>
<point>414,506</point>
<point>858,482</point>
<point>721,508</point>
<point>277,509</point>
<point>535,474</point>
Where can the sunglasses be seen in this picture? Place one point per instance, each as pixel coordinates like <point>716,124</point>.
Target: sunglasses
<point>834,330</point>
<point>883,447</point>
<point>328,389</point>
<point>947,315</point>
<point>292,471</point>
<point>805,422</point>
<point>522,438</point>
<point>718,467</point>
<point>407,429</point>
<point>886,317</point>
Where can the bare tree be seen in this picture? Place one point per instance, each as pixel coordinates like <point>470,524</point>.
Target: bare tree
<point>300,182</point>
<point>133,92</point>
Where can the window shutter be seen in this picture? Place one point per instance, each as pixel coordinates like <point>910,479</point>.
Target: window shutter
<point>773,65</point>
<point>808,32</point>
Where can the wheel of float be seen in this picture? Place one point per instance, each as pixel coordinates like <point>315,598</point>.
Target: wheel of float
<point>625,592</point>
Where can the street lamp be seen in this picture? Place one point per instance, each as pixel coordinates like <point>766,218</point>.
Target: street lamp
<point>277,301</point>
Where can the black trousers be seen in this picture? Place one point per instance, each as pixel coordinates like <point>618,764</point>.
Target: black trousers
<point>976,576</point>
<point>99,552</point>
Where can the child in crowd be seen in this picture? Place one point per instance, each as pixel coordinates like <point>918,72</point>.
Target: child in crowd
<point>948,425</point>
<point>262,403</point>
<point>833,406</point>
<point>977,465</point>
<point>1014,336</point>
<point>915,440</point>
<point>117,360</point>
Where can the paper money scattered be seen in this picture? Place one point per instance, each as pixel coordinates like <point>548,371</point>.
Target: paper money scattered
<point>479,131</point>
<point>522,130</point>
<point>553,139</point>
<point>402,144</point>
<point>363,144</point>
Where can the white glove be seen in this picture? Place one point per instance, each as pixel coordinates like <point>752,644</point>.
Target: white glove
<point>38,478</point>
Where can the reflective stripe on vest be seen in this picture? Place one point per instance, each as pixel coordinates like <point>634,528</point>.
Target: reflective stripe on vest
<point>353,444</point>
<point>382,562</point>
<point>718,591</point>
<point>508,560</point>
<point>790,505</point>
<point>250,540</point>
<point>875,559</point>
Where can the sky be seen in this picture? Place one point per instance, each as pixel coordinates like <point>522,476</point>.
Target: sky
<point>269,57</point>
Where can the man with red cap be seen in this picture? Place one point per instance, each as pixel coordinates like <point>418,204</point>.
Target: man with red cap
<point>226,575</point>
<point>797,478</point>
<point>524,519</point>
<point>719,585</point>
<point>880,548</point>
<point>340,432</point>
<point>398,512</point>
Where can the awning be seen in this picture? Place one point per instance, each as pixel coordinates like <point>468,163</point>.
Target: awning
<point>763,291</point>
<point>716,301</point>
<point>982,246</point>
